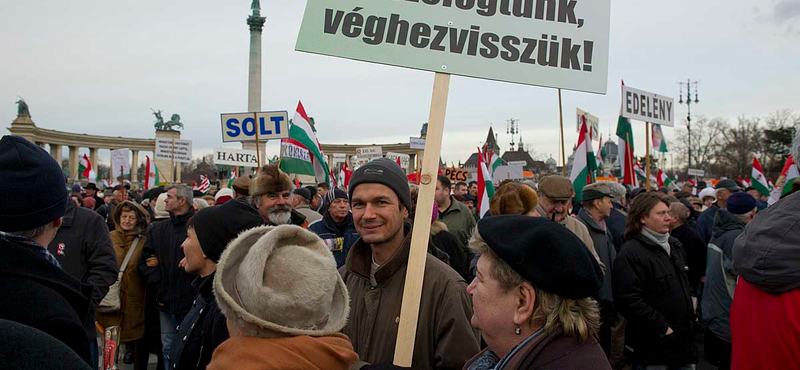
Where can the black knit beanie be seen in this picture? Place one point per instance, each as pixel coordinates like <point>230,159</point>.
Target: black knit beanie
<point>383,171</point>
<point>218,225</point>
<point>32,186</point>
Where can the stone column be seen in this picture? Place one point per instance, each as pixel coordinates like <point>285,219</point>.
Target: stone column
<point>55,152</point>
<point>134,165</point>
<point>256,23</point>
<point>95,162</point>
<point>73,163</point>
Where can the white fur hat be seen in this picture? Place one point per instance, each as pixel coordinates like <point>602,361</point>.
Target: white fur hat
<point>708,192</point>
<point>281,279</point>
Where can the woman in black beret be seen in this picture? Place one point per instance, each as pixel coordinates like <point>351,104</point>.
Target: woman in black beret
<point>531,296</point>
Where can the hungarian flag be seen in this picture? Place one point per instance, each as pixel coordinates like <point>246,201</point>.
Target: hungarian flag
<point>485,186</point>
<point>85,167</point>
<point>790,174</point>
<point>205,185</point>
<point>584,165</point>
<point>301,152</point>
<point>151,175</point>
<point>760,182</point>
<point>344,176</point>
<point>663,179</point>
<point>659,142</point>
<point>493,161</point>
<point>625,155</point>
<point>233,178</point>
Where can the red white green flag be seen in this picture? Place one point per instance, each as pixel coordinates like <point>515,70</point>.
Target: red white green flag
<point>759,180</point>
<point>485,186</point>
<point>584,164</point>
<point>790,173</point>
<point>151,175</point>
<point>301,152</point>
<point>85,167</point>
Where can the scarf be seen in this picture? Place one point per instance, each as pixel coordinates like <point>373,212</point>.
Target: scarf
<point>658,238</point>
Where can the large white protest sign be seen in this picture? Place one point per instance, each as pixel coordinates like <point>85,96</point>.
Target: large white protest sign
<point>242,126</point>
<point>235,157</point>
<point>648,107</point>
<point>592,123</point>
<point>405,159</point>
<point>339,157</point>
<point>554,43</point>
<point>416,143</point>
<point>182,151</point>
<point>120,162</point>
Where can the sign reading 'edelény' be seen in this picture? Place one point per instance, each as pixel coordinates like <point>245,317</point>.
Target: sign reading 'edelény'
<point>648,107</point>
<point>554,43</point>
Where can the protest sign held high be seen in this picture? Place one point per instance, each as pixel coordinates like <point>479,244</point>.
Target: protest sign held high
<point>545,42</point>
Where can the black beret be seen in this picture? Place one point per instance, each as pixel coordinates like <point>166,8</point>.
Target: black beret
<point>544,253</point>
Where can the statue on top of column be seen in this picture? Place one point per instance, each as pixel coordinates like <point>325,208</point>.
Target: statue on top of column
<point>22,107</point>
<point>256,7</point>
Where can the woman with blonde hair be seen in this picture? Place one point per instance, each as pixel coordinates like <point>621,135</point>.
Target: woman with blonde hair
<point>531,297</point>
<point>130,221</point>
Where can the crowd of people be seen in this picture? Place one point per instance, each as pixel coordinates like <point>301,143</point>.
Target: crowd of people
<point>268,275</point>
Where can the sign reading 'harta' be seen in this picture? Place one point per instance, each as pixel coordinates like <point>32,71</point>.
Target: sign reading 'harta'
<point>238,127</point>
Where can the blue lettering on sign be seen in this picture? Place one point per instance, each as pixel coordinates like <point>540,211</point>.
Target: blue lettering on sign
<point>277,120</point>
<point>264,131</point>
<point>252,123</point>
<point>233,128</point>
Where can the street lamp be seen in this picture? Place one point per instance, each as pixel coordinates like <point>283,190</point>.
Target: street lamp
<point>689,83</point>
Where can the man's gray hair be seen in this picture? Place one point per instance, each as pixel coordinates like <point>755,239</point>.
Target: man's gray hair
<point>183,191</point>
<point>796,148</point>
<point>618,191</point>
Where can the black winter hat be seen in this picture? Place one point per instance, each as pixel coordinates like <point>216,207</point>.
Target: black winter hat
<point>216,226</point>
<point>303,192</point>
<point>32,191</point>
<point>544,253</point>
<point>383,171</point>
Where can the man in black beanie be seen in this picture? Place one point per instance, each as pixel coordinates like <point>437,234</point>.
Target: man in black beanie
<point>36,292</point>
<point>380,199</point>
<point>336,228</point>
<point>204,327</point>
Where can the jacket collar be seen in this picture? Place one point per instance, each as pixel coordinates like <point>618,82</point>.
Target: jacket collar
<point>359,260</point>
<point>590,221</point>
<point>182,218</point>
<point>204,286</point>
<point>673,242</point>
<point>455,206</point>
<point>69,217</point>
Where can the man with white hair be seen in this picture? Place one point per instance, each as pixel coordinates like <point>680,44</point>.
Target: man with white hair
<point>271,191</point>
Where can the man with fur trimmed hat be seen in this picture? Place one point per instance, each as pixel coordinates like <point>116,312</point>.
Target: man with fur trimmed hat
<point>375,274</point>
<point>271,192</point>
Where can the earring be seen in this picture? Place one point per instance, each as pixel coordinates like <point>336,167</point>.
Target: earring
<point>517,330</point>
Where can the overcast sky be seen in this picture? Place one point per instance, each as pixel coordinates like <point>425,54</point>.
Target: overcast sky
<point>98,66</point>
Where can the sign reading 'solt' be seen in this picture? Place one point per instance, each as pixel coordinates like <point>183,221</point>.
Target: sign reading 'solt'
<point>554,43</point>
<point>243,126</point>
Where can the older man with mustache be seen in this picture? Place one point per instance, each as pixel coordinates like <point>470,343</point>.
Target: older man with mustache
<point>272,193</point>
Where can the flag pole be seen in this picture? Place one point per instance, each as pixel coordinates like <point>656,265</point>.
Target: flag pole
<point>412,289</point>
<point>647,155</point>
<point>561,120</point>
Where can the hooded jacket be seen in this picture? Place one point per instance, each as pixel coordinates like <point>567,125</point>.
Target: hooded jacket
<point>333,352</point>
<point>338,240</point>
<point>720,274</point>
<point>765,329</point>
<point>175,293</point>
<point>651,291</point>
<point>445,339</point>
<point>38,294</point>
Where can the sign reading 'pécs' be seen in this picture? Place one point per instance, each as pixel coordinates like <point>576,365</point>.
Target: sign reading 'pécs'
<point>238,127</point>
<point>648,107</point>
<point>556,43</point>
<point>456,174</point>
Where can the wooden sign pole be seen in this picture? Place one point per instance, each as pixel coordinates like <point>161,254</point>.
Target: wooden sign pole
<point>561,120</point>
<point>412,291</point>
<point>258,144</point>
<point>647,154</point>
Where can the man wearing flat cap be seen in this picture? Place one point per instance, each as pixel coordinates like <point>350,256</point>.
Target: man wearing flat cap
<point>597,207</point>
<point>532,296</point>
<point>651,290</point>
<point>375,274</point>
<point>301,200</point>
<point>705,223</point>
<point>555,198</point>
<point>35,290</point>
<point>271,192</point>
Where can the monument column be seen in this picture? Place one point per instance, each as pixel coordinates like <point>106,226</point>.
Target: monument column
<point>256,23</point>
<point>134,165</point>
<point>55,152</point>
<point>73,163</point>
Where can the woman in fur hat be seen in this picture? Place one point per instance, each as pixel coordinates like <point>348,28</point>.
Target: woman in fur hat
<point>284,301</point>
<point>130,221</point>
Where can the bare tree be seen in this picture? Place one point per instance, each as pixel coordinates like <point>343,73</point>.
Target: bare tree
<point>739,144</point>
<point>706,142</point>
<point>781,127</point>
